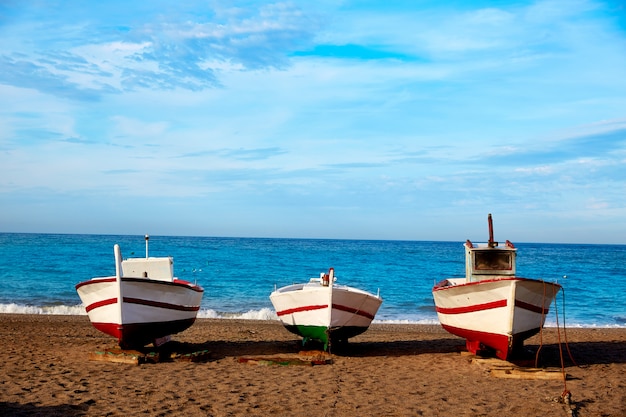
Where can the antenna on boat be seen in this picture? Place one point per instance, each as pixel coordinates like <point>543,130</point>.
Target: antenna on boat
<point>146,237</point>
<point>491,243</point>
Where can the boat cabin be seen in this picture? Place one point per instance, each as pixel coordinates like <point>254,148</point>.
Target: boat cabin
<point>161,269</point>
<point>489,260</point>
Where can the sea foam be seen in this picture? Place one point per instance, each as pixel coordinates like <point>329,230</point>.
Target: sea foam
<point>12,308</point>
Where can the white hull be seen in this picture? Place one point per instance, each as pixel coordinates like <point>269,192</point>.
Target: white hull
<point>493,308</point>
<point>325,313</point>
<point>139,310</point>
<point>496,313</point>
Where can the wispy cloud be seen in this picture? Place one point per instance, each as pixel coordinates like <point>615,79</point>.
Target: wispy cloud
<point>607,146</point>
<point>238,154</point>
<point>164,54</point>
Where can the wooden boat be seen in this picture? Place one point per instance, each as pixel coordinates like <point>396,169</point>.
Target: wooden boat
<point>492,307</point>
<point>143,303</point>
<point>325,311</point>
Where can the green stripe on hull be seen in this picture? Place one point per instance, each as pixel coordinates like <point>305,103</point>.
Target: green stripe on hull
<point>325,335</point>
<point>310,332</point>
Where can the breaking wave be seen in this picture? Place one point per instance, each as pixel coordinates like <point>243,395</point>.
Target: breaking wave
<point>63,310</point>
<point>265,314</point>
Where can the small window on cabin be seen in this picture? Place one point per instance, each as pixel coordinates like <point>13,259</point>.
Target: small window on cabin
<point>492,260</point>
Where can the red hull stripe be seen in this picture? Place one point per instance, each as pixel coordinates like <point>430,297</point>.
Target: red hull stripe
<point>300,309</point>
<point>531,307</point>
<point>101,304</point>
<point>91,282</point>
<point>140,334</point>
<point>177,282</point>
<point>160,304</point>
<point>354,311</point>
<point>142,302</point>
<point>500,343</point>
<point>319,307</point>
<point>472,308</point>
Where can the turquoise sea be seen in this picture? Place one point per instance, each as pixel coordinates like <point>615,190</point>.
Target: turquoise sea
<point>38,272</point>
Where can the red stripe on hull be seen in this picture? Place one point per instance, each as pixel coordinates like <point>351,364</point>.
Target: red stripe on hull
<point>176,282</point>
<point>300,309</point>
<point>499,343</point>
<point>159,304</point>
<point>354,311</point>
<point>531,307</point>
<point>472,308</point>
<point>322,306</point>
<point>140,301</point>
<point>141,334</point>
<point>94,281</point>
<point>503,345</point>
<point>101,304</point>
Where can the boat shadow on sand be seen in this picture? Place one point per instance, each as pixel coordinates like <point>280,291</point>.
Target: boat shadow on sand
<point>581,353</point>
<point>547,355</point>
<point>218,350</point>
<point>224,349</point>
<point>30,409</point>
<point>576,353</point>
<point>573,353</point>
<point>397,348</point>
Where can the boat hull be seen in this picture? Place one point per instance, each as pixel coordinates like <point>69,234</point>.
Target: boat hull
<point>328,315</point>
<point>498,314</point>
<point>137,311</point>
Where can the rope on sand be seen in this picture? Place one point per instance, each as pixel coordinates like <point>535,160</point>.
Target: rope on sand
<point>566,396</point>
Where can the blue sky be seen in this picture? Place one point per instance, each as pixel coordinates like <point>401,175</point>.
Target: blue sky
<point>327,119</point>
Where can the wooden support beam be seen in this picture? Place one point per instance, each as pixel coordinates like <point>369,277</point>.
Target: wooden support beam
<point>149,356</point>
<point>308,358</point>
<point>503,369</point>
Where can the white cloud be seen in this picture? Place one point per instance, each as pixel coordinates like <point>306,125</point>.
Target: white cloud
<point>540,170</point>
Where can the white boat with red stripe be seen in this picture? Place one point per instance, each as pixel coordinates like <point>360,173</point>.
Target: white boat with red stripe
<point>493,308</point>
<point>143,303</point>
<point>325,311</point>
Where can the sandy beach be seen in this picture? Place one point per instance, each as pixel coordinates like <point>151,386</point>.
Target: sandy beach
<point>391,370</point>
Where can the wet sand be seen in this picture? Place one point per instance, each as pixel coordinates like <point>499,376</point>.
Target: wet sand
<point>391,370</point>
